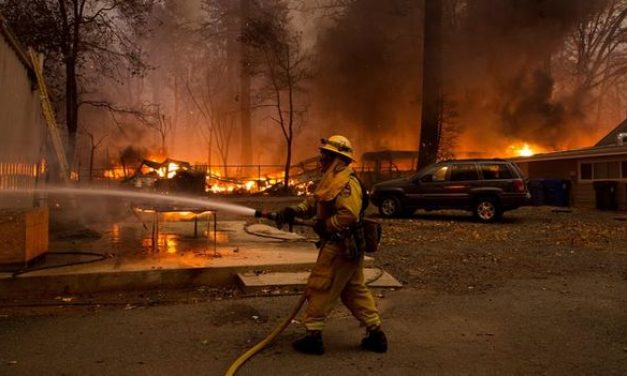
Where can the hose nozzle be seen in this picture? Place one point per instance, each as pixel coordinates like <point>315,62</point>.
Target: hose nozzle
<point>265,214</point>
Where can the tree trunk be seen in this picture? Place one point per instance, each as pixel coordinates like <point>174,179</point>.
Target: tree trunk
<point>246,157</point>
<point>288,163</point>
<point>71,108</point>
<point>431,84</point>
<point>91,162</point>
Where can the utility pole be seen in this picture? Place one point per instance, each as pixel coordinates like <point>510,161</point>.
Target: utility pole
<point>431,84</point>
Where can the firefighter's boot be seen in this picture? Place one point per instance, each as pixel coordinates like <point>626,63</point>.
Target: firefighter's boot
<point>375,341</point>
<point>311,343</point>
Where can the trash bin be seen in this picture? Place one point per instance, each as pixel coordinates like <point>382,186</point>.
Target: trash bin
<point>557,192</point>
<point>536,188</point>
<point>605,194</point>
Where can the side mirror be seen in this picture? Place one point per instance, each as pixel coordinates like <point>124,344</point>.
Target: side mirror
<point>425,179</point>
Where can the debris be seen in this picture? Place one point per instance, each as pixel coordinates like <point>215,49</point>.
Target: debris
<point>11,362</point>
<point>129,306</point>
<point>562,210</point>
<point>65,299</point>
<point>204,342</point>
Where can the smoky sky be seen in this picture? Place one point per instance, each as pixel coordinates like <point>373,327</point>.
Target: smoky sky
<point>498,64</point>
<point>497,67</point>
<point>367,81</point>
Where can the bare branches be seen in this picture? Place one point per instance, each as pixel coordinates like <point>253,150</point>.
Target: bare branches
<point>278,61</point>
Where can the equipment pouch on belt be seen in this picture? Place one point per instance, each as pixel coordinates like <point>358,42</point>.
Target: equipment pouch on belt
<point>372,234</point>
<point>367,232</point>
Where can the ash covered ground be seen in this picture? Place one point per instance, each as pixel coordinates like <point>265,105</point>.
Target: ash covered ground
<point>543,292</point>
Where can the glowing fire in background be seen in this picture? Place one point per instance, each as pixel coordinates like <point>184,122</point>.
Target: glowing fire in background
<point>524,150</point>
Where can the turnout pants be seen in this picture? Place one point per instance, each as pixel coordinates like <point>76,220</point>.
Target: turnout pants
<point>333,277</point>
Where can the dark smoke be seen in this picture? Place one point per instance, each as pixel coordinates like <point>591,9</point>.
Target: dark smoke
<point>368,78</point>
<point>498,63</point>
<point>497,72</point>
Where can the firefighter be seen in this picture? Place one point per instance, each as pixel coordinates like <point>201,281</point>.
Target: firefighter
<point>336,207</point>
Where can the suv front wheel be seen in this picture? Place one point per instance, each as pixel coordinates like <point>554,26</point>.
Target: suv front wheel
<point>486,209</point>
<point>390,206</point>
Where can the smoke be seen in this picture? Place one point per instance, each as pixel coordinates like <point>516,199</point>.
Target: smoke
<point>367,81</point>
<point>498,70</point>
<point>498,73</point>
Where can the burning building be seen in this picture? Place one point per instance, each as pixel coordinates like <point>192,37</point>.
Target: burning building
<point>590,177</point>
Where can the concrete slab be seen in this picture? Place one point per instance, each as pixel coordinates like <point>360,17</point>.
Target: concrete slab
<point>254,282</point>
<point>180,261</point>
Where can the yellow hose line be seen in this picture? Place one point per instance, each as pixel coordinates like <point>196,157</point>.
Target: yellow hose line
<point>263,343</point>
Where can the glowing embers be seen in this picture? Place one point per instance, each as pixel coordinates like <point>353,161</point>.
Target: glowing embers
<point>168,243</point>
<point>117,172</point>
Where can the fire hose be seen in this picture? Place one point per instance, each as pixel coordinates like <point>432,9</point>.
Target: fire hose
<point>299,304</point>
<point>280,328</point>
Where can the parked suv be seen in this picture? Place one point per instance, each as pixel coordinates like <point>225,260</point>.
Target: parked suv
<point>487,187</point>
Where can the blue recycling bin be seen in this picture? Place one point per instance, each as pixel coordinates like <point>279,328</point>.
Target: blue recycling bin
<point>557,192</point>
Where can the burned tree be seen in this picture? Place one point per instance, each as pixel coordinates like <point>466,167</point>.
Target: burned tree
<point>277,59</point>
<point>82,41</point>
<point>217,112</point>
<point>594,59</point>
<point>430,128</point>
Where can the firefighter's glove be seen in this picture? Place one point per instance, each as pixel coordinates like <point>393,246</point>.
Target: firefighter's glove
<point>320,228</point>
<point>285,216</point>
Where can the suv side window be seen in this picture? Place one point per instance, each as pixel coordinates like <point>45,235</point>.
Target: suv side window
<point>464,172</point>
<point>494,171</point>
<point>436,175</point>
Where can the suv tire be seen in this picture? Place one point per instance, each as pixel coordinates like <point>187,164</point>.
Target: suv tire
<point>486,209</point>
<point>390,206</point>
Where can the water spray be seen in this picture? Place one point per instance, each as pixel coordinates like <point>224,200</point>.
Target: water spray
<point>201,202</point>
<point>195,201</point>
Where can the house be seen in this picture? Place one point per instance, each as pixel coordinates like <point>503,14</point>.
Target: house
<point>595,176</point>
<point>22,125</point>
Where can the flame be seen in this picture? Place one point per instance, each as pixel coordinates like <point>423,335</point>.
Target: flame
<point>166,242</point>
<point>117,172</point>
<point>524,149</point>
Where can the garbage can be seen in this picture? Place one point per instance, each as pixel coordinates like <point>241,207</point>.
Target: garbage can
<point>605,194</point>
<point>536,188</point>
<point>557,192</point>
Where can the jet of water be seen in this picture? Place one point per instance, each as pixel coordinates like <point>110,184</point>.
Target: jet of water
<point>192,201</point>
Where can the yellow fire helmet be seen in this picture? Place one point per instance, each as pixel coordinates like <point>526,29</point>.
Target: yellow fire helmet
<point>339,145</point>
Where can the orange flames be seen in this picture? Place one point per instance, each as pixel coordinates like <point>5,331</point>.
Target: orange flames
<point>524,149</point>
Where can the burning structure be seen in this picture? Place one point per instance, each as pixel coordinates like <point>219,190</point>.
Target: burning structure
<point>169,176</point>
<point>590,177</point>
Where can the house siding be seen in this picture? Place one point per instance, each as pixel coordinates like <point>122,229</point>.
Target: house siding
<point>582,192</point>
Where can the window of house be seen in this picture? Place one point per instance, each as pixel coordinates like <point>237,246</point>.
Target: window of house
<point>624,163</point>
<point>462,172</point>
<point>606,170</point>
<point>585,171</point>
